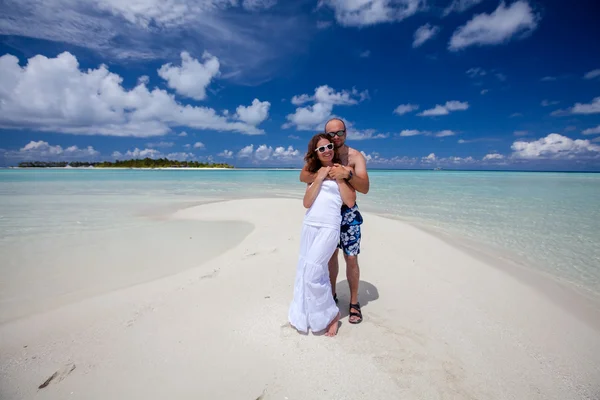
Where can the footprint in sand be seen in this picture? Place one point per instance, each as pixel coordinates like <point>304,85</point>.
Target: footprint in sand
<point>59,375</point>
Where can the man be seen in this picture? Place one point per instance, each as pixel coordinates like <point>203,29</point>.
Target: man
<point>353,168</point>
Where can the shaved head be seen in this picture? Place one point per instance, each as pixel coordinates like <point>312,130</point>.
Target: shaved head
<point>335,124</point>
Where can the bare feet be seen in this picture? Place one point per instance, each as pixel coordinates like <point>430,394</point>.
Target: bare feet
<point>332,328</point>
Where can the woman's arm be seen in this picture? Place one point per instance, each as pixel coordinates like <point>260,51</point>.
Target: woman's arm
<point>312,190</point>
<point>348,192</point>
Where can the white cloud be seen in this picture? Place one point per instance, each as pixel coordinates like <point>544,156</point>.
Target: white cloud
<point>476,72</point>
<point>137,153</point>
<point>592,108</point>
<point>520,133</point>
<point>501,77</point>
<point>53,94</point>
<point>406,108</point>
<point>548,79</point>
<point>411,132</point>
<point>199,145</point>
<point>515,115</point>
<point>246,151</point>
<point>547,103</point>
<point>157,30</point>
<point>226,153</point>
<point>430,158</point>
<point>555,146</point>
<point>484,91</point>
<point>592,74</point>
<point>358,13</point>
<point>445,109</point>
<point>365,134</point>
<point>181,156</point>
<point>255,113</point>
<point>42,151</point>
<point>592,131</point>
<point>264,154</point>
<point>493,156</point>
<point>365,54</point>
<point>498,27</point>
<point>183,134</point>
<point>325,98</point>
<point>160,144</point>
<point>192,78</point>
<point>460,6</point>
<point>424,33</point>
<point>415,132</point>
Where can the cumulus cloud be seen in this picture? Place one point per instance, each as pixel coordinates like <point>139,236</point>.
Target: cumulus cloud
<point>592,131</point>
<point>424,33</point>
<point>555,146</point>
<point>314,116</point>
<point>592,74</point>
<point>192,77</point>
<point>460,6</point>
<point>406,108</point>
<point>372,12</point>
<point>182,134</point>
<point>264,154</point>
<point>226,153</point>
<point>53,94</point>
<point>591,108</point>
<point>502,25</point>
<point>445,109</point>
<point>255,113</point>
<point>493,156</point>
<point>43,151</point>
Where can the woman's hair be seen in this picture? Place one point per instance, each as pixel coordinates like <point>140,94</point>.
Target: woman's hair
<point>312,159</point>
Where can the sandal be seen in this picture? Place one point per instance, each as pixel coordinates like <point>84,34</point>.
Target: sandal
<point>357,313</point>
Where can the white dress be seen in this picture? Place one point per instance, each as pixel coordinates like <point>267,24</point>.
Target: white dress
<point>313,306</point>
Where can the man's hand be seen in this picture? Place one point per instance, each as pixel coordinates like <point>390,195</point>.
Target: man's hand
<point>338,172</point>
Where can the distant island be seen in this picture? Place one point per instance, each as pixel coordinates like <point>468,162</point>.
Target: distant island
<point>134,163</point>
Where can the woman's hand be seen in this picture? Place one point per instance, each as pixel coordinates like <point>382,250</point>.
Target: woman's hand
<point>323,173</point>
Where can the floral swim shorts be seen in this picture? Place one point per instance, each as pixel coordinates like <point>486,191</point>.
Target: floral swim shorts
<point>350,230</point>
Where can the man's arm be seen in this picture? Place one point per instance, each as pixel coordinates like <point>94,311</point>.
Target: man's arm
<point>306,176</point>
<point>360,178</point>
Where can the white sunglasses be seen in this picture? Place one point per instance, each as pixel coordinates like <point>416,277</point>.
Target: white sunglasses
<point>321,149</point>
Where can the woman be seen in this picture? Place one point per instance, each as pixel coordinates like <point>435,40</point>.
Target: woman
<point>313,306</point>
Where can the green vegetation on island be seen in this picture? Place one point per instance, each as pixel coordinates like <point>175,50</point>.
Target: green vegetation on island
<point>134,163</point>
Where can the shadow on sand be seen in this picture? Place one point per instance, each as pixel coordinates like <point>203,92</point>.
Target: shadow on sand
<point>367,292</point>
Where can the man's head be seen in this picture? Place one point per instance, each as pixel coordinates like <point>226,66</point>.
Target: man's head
<point>336,129</point>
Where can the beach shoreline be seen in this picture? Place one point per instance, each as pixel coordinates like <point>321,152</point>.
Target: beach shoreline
<point>438,323</point>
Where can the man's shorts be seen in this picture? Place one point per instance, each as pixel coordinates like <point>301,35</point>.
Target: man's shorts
<point>350,230</point>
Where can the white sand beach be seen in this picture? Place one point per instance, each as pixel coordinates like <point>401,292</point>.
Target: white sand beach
<point>439,323</point>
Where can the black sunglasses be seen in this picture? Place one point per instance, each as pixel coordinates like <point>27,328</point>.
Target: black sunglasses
<point>321,149</point>
<point>339,133</point>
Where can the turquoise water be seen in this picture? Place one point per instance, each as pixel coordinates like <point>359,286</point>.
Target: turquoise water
<point>550,221</point>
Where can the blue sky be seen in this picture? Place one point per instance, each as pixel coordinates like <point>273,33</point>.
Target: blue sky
<point>465,84</point>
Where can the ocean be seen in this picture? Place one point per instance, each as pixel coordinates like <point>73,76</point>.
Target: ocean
<point>545,221</point>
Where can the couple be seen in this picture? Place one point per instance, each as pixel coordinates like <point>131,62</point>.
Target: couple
<point>333,173</point>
